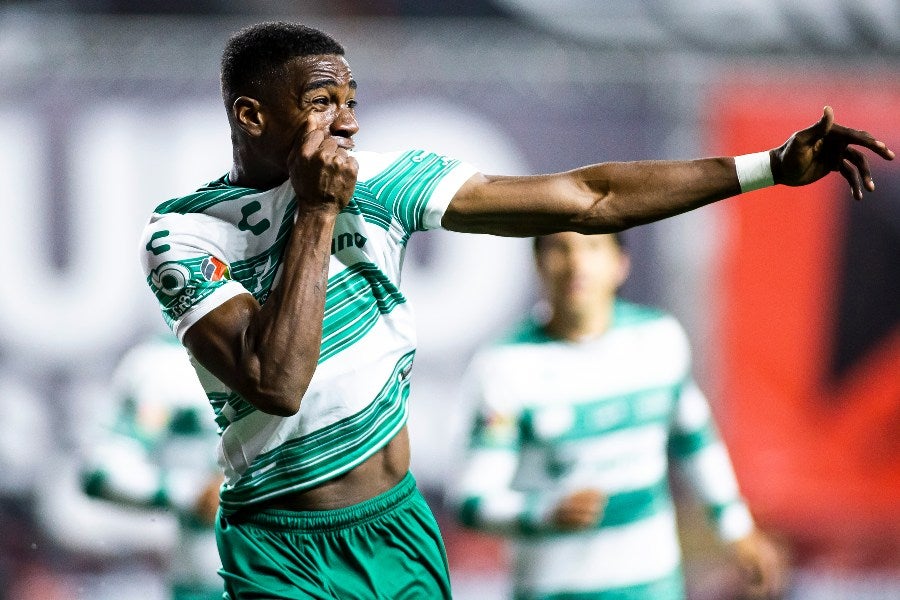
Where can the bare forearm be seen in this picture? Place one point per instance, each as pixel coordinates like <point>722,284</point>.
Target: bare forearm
<point>623,195</point>
<point>614,196</point>
<point>268,353</point>
<point>595,199</point>
<point>282,341</point>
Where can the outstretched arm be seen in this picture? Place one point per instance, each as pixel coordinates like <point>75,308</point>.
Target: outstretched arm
<point>614,196</point>
<point>700,456</point>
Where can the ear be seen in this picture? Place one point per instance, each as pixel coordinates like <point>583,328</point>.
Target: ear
<point>247,115</point>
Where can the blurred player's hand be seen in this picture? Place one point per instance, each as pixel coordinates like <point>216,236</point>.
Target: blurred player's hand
<point>762,565</point>
<point>579,510</point>
<point>208,501</point>
<point>812,153</point>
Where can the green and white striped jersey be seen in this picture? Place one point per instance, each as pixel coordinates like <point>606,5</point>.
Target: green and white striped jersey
<point>201,250</point>
<point>609,413</point>
<point>160,453</point>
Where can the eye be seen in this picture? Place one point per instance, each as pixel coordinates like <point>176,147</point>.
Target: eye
<point>351,104</point>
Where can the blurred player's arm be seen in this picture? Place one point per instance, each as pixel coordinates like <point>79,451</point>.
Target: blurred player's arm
<point>614,196</point>
<point>119,469</point>
<point>699,454</point>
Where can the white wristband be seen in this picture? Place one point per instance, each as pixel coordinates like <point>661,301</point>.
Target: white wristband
<point>754,171</point>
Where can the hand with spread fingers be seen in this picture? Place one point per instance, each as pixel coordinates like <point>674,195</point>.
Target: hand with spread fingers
<point>826,146</point>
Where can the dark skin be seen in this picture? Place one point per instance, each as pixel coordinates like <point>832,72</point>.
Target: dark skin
<point>301,129</point>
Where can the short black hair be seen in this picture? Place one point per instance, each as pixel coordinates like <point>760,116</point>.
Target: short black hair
<point>256,55</point>
<point>616,235</point>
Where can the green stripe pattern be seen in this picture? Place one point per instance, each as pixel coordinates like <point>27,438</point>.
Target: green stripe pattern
<point>204,198</point>
<point>304,461</point>
<point>604,415</point>
<point>407,185</point>
<point>356,299</point>
<point>255,227</point>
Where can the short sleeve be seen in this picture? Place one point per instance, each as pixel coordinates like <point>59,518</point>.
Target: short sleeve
<point>186,267</point>
<point>416,186</point>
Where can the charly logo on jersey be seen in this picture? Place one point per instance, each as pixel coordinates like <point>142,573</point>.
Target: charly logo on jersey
<point>214,269</point>
<point>157,250</point>
<point>170,278</point>
<point>259,226</point>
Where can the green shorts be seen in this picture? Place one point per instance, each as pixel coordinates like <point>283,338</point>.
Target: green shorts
<point>386,548</point>
<point>193,592</point>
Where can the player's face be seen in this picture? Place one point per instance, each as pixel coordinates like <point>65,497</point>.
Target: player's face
<point>579,271</point>
<point>317,88</point>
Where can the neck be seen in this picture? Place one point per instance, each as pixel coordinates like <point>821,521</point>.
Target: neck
<point>249,170</point>
<point>581,325</point>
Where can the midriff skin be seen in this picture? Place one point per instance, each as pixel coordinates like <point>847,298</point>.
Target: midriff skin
<point>381,472</point>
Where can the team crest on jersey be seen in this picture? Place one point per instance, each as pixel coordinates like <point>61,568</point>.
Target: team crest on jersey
<point>214,269</point>
<point>170,278</point>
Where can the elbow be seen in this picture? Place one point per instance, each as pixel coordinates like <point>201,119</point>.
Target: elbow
<point>598,209</point>
<point>602,217</point>
<point>279,402</point>
<point>608,213</point>
<point>279,405</point>
<point>276,395</point>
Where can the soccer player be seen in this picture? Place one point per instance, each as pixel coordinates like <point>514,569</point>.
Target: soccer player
<point>160,454</point>
<point>282,280</point>
<point>577,415</point>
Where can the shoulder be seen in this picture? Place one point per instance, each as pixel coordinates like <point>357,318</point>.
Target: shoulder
<point>630,314</point>
<point>206,197</point>
<point>528,331</point>
<point>161,224</point>
<point>164,233</point>
<point>650,323</point>
<point>507,349</point>
<point>373,163</point>
<point>211,217</point>
<point>400,163</point>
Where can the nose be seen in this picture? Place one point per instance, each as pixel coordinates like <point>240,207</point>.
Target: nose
<point>344,124</point>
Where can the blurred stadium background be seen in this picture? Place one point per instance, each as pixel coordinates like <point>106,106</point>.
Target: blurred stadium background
<point>792,297</point>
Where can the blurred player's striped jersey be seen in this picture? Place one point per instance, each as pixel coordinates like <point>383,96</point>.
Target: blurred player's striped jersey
<point>608,413</point>
<point>203,249</point>
<point>160,453</point>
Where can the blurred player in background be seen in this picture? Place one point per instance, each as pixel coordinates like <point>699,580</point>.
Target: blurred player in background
<point>160,454</point>
<point>579,416</point>
<point>282,278</point>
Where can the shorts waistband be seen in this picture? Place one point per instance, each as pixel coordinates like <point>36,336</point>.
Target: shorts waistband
<point>339,518</point>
